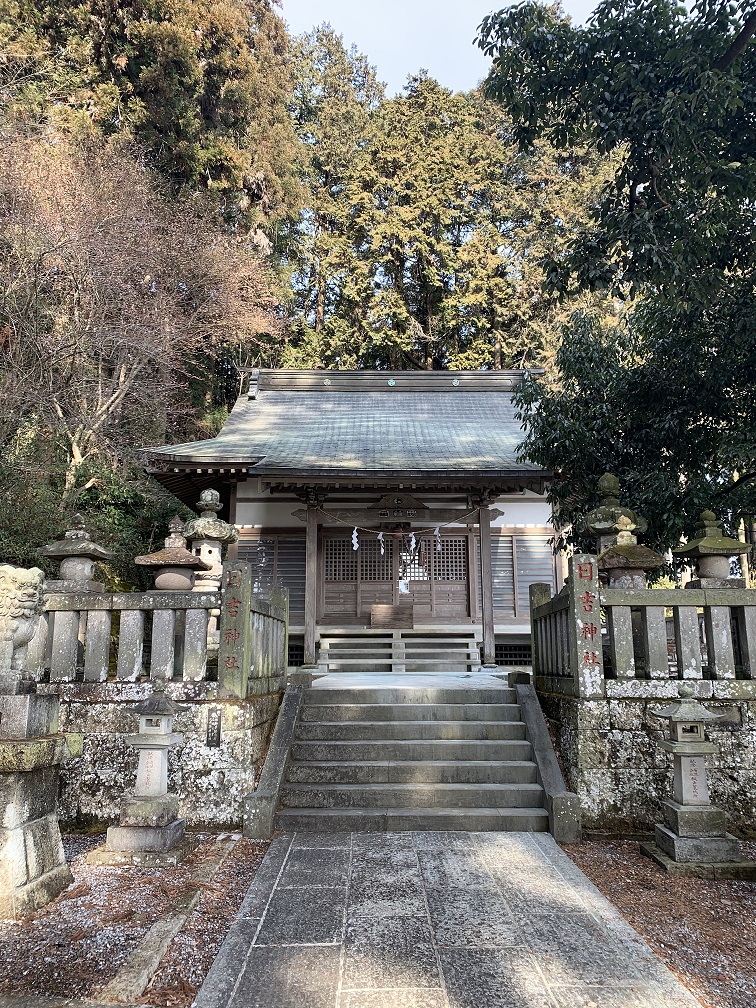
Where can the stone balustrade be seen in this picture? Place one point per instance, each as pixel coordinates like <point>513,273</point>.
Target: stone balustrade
<point>606,659</point>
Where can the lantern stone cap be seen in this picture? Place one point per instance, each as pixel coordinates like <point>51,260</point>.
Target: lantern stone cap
<point>602,520</point>
<point>175,553</point>
<point>687,708</point>
<point>627,553</point>
<point>710,541</point>
<point>76,542</point>
<point>209,525</point>
<point>159,704</point>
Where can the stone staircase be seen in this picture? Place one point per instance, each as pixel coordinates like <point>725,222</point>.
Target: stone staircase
<point>411,758</point>
<point>398,651</point>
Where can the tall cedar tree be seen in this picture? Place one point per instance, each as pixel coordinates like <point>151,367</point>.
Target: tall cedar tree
<point>414,254</point>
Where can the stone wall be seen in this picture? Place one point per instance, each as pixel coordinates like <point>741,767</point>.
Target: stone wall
<point>211,781</point>
<point>613,761</point>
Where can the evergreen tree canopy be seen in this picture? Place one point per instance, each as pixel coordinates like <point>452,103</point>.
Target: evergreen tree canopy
<point>201,83</point>
<point>423,243</point>
<point>666,399</point>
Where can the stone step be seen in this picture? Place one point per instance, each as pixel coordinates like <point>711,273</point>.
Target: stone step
<point>407,649</point>
<point>356,639</point>
<point>413,772</point>
<point>394,795</point>
<point>406,819</point>
<point>410,712</point>
<point>399,660</point>
<point>447,749</point>
<point>409,694</point>
<point>384,731</point>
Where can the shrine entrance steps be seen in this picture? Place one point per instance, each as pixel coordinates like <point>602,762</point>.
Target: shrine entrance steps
<point>398,651</point>
<point>440,753</point>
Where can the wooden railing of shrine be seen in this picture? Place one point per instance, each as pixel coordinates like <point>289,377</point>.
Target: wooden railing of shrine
<point>234,636</point>
<point>590,640</point>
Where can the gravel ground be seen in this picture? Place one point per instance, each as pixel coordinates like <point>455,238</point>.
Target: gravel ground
<point>76,944</point>
<point>704,931</point>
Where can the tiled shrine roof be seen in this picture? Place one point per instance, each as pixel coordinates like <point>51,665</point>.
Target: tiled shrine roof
<point>365,422</point>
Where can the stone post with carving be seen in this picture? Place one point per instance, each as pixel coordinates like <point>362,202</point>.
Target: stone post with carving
<point>33,868</point>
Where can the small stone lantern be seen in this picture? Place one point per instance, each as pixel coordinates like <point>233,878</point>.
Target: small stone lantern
<point>602,521</point>
<point>694,829</point>
<point>149,830</point>
<point>626,562</point>
<point>711,552</point>
<point>174,566</point>
<point>78,556</point>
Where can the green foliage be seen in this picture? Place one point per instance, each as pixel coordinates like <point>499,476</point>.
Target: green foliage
<point>674,92</point>
<point>675,441</point>
<point>202,84</point>
<point>665,399</point>
<point>124,510</point>
<point>423,243</point>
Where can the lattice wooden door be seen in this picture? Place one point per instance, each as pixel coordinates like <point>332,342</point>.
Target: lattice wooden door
<point>436,580</point>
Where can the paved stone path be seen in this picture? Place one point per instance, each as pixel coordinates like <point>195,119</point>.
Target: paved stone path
<point>431,920</point>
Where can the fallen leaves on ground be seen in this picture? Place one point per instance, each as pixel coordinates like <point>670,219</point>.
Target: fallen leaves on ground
<point>705,931</point>
<point>76,944</point>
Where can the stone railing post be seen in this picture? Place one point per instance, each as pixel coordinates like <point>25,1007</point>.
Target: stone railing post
<point>584,627</point>
<point>235,650</point>
<point>33,868</point>
<point>539,594</point>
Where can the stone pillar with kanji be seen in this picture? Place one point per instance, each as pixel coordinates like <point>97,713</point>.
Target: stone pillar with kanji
<point>586,657</point>
<point>235,648</point>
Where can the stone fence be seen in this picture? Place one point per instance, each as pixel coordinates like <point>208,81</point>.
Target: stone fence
<point>100,654</point>
<point>606,659</point>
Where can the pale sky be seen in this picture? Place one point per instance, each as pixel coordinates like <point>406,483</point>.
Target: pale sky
<point>400,37</point>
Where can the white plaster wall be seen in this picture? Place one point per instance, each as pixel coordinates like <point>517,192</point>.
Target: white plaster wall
<point>524,511</point>
<point>273,514</point>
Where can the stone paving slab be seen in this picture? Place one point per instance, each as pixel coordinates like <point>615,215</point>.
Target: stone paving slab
<point>431,920</point>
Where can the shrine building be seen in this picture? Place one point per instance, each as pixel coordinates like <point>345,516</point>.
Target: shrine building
<point>390,504</point>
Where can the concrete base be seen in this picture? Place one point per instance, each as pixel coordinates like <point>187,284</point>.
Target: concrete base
<point>25,899</point>
<point>140,858</point>
<point>154,813</point>
<point>690,821</point>
<point>33,867</point>
<point>152,839</point>
<point>697,850</point>
<point>745,870</point>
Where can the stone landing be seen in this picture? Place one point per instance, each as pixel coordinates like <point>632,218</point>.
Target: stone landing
<point>431,920</point>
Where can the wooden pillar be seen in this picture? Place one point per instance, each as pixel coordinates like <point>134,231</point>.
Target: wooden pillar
<point>486,585</point>
<point>311,585</point>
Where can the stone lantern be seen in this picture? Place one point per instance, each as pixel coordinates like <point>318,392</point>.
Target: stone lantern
<point>78,556</point>
<point>207,535</point>
<point>711,552</point>
<point>149,830</point>
<point>174,566</point>
<point>602,521</point>
<point>627,562</point>
<point>694,829</point>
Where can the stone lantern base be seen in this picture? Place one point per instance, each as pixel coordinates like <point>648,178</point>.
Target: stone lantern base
<point>148,834</point>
